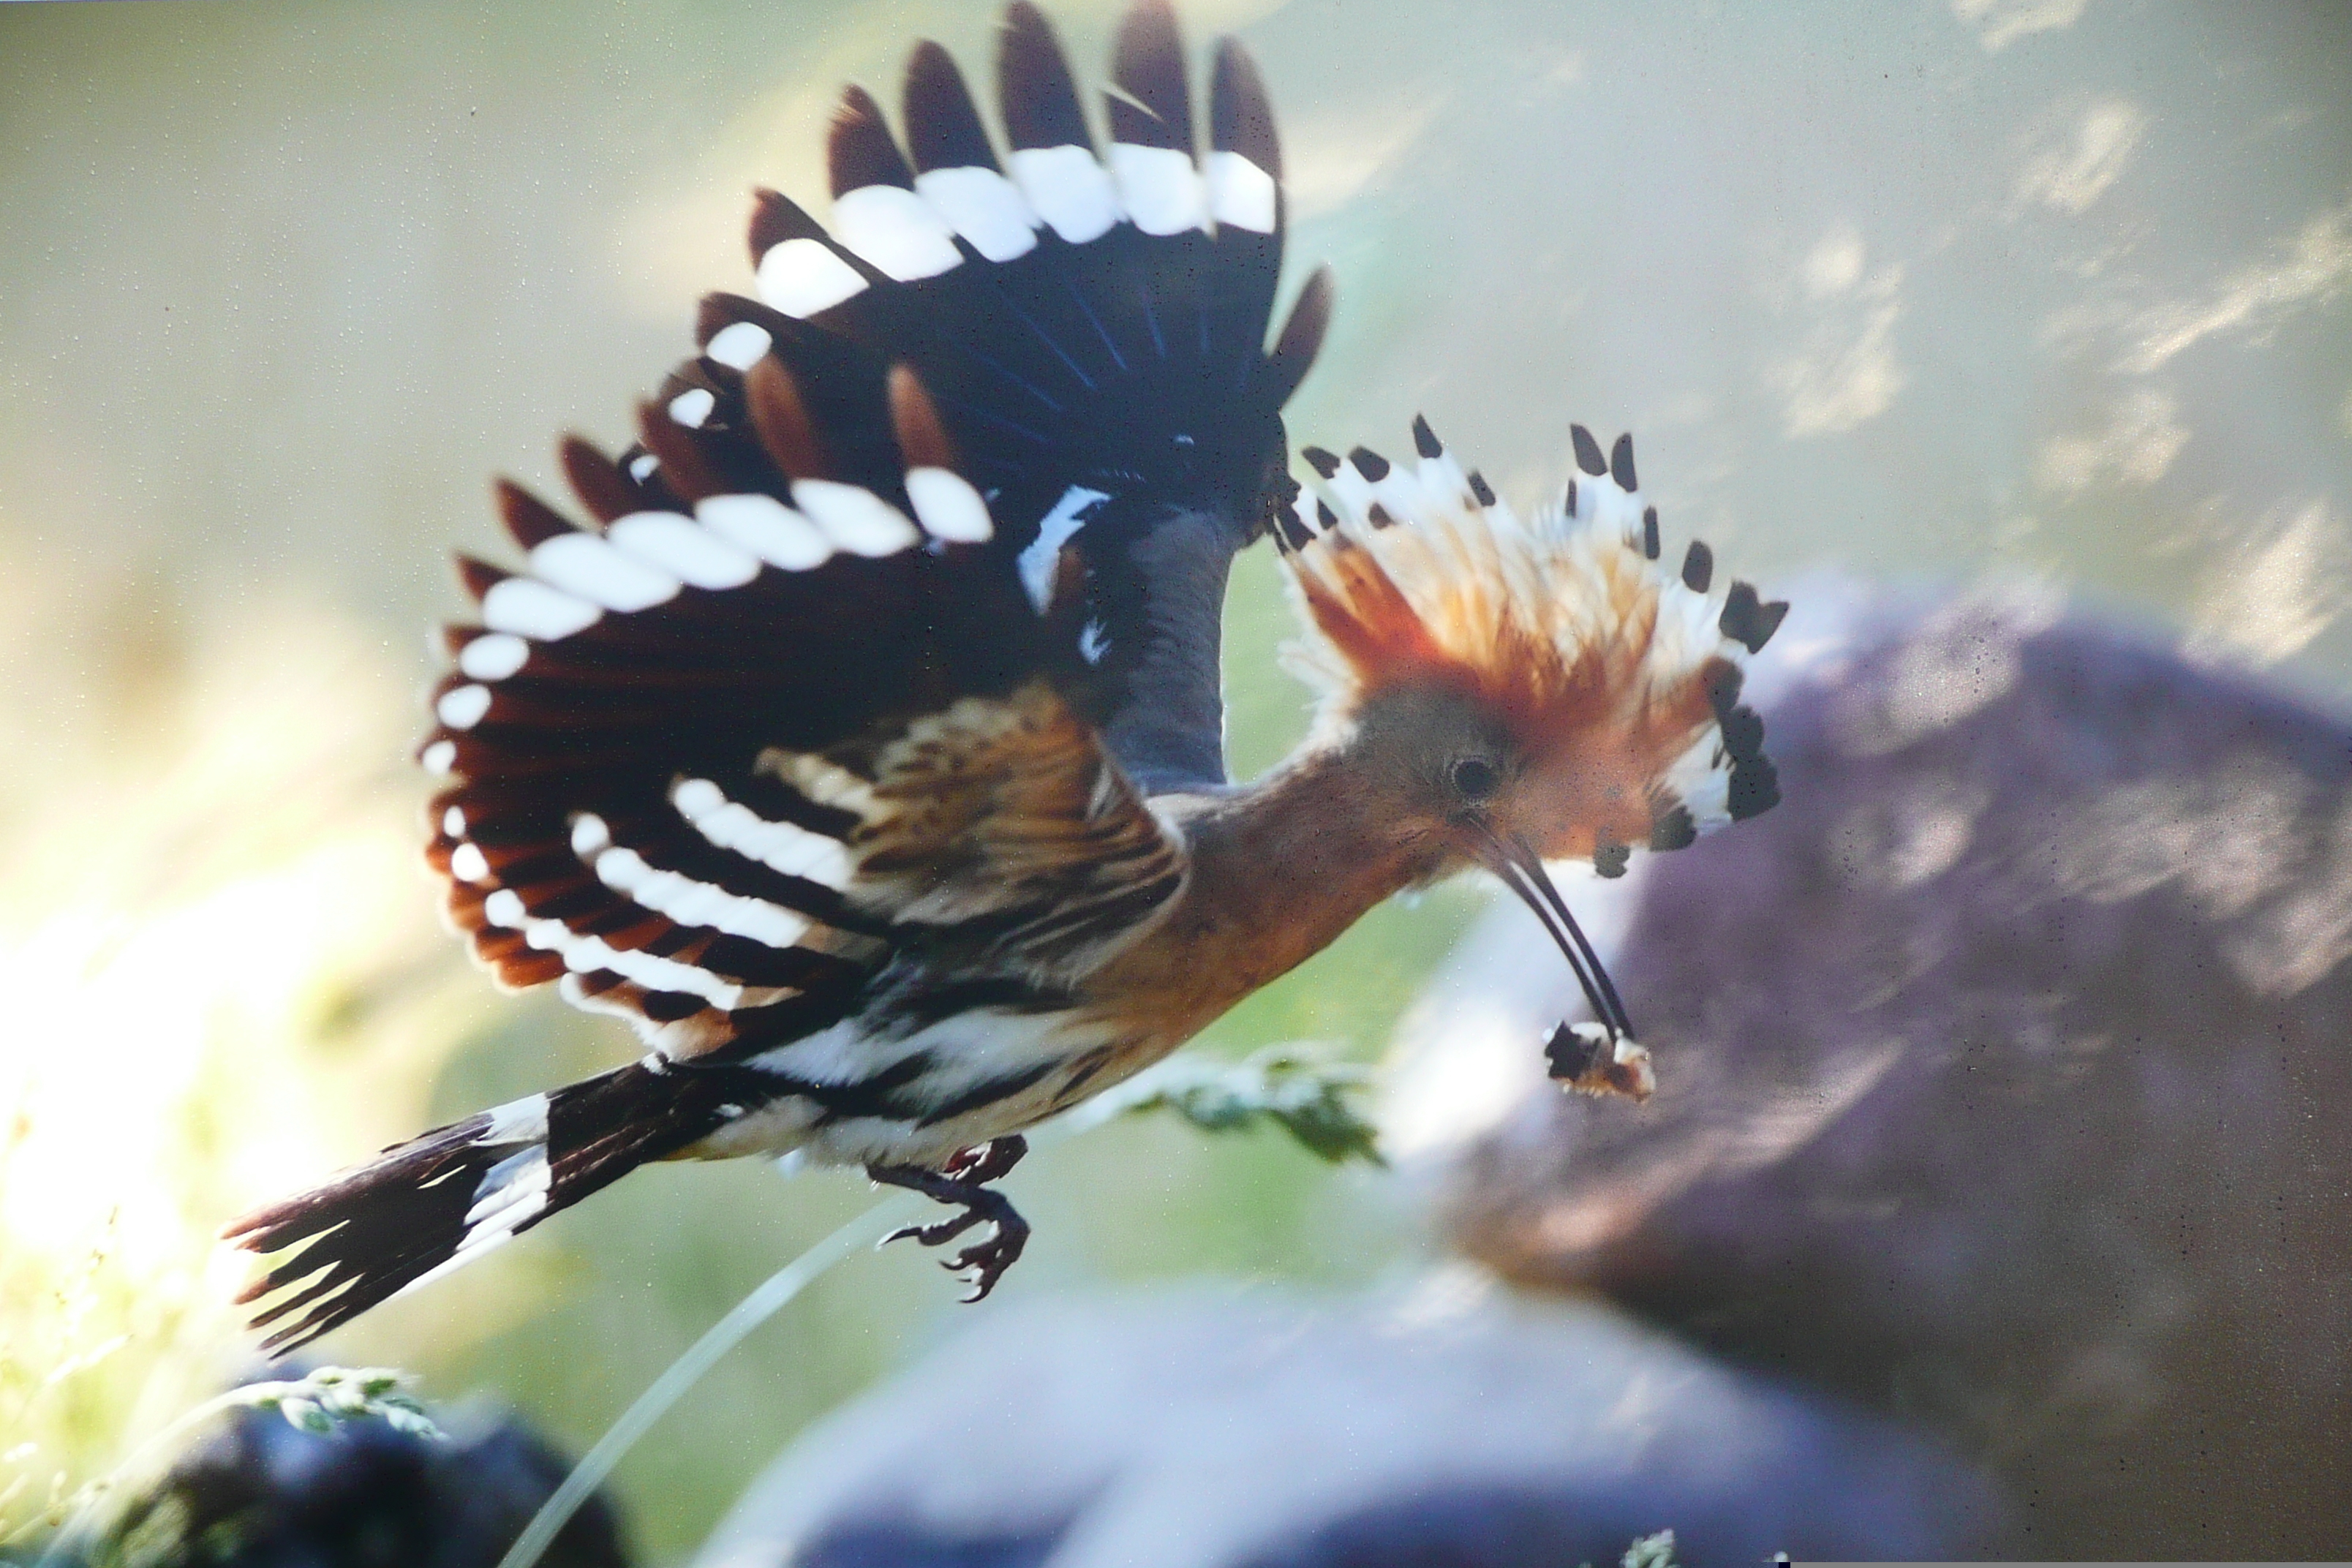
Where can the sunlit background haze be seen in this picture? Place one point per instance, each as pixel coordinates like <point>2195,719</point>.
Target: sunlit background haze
<point>2045,291</point>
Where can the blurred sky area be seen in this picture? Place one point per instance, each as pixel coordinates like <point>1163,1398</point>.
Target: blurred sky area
<point>2042,289</point>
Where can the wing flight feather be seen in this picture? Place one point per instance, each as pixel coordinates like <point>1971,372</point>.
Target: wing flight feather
<point>715,768</point>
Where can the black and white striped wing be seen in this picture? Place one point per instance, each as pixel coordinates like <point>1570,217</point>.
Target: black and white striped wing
<point>1093,325</point>
<point>715,763</point>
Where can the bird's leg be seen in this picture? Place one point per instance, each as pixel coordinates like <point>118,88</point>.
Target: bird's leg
<point>964,1183</point>
<point>983,1163</point>
<point>966,1171</point>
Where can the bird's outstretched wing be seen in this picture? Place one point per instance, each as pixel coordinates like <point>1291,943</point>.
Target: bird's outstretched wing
<point>791,745</point>
<point>1094,327</point>
<point>823,754</point>
<point>783,767</point>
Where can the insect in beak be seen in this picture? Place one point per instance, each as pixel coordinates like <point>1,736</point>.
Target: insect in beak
<point>1597,1058</point>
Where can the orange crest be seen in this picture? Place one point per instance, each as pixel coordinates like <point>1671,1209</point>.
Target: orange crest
<point>1565,630</point>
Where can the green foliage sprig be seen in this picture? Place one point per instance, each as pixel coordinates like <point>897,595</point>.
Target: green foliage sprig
<point>1652,1551</point>
<point>326,1398</point>
<point>1305,1090</point>
<point>319,1401</point>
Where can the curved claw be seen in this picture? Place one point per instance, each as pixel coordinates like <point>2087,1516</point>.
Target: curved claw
<point>938,1233</point>
<point>989,1259</point>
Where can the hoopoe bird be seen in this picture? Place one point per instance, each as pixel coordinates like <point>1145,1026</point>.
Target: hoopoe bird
<point>866,752</point>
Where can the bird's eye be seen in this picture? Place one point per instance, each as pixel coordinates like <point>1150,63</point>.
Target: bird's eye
<point>1476,778</point>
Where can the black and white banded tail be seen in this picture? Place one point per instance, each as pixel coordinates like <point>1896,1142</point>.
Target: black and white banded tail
<point>427,1206</point>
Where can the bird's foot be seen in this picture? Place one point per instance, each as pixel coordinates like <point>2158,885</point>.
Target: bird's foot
<point>1591,1059</point>
<point>964,1183</point>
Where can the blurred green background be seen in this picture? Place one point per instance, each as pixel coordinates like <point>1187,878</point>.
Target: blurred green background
<point>2049,289</point>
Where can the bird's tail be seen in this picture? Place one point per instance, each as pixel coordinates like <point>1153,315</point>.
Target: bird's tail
<point>425,1206</point>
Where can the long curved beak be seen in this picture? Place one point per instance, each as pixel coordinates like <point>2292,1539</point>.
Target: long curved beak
<point>1521,869</point>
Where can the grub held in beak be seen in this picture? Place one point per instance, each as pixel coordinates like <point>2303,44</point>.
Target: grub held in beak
<point>1595,1058</point>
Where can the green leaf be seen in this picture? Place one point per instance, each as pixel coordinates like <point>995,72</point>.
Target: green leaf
<point>1304,1089</point>
<point>307,1414</point>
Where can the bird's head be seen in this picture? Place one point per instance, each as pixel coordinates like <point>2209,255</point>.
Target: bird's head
<point>1517,692</point>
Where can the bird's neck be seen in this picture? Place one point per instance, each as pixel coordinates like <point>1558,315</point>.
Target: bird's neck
<point>1279,870</point>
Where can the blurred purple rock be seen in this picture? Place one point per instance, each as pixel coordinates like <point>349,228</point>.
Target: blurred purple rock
<point>2005,1084</point>
<point>1215,1430</point>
